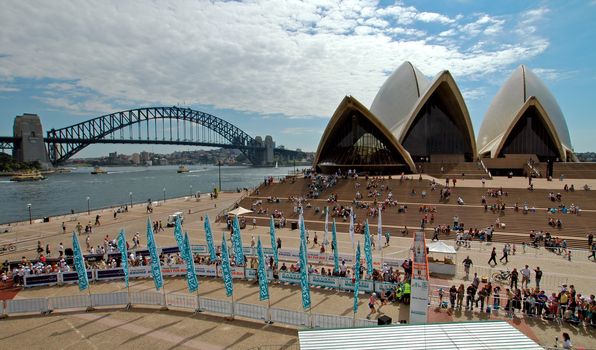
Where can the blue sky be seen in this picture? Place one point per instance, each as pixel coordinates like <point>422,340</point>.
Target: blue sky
<point>281,67</point>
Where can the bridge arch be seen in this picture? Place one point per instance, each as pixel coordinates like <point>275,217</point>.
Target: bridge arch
<point>65,142</point>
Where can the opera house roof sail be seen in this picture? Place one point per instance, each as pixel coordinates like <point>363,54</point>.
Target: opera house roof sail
<point>416,120</point>
<point>525,118</point>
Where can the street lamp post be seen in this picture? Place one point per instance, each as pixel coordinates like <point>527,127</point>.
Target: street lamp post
<point>88,207</point>
<point>164,194</point>
<point>130,196</point>
<point>219,172</point>
<point>30,220</point>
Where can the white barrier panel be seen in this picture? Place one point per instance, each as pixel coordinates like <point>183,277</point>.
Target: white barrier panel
<point>218,306</point>
<point>365,323</point>
<point>365,285</point>
<point>1,307</point>
<point>383,286</point>
<point>110,299</point>
<point>250,311</point>
<point>138,272</point>
<point>69,302</point>
<point>296,318</point>
<point>182,301</point>
<point>146,298</point>
<point>251,274</point>
<point>27,305</point>
<point>174,270</point>
<point>331,321</point>
<point>289,277</point>
<point>206,270</point>
<point>324,281</point>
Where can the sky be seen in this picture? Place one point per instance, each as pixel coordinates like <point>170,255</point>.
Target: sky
<point>280,68</point>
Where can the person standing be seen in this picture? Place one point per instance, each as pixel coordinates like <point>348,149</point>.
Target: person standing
<point>538,276</point>
<point>278,243</point>
<point>514,278</point>
<point>590,240</point>
<point>467,263</point>
<point>63,227</point>
<point>61,250</point>
<point>48,250</point>
<point>452,295</point>
<point>88,242</point>
<point>460,296</point>
<point>525,272</point>
<point>79,228</point>
<point>493,256</point>
<point>593,256</point>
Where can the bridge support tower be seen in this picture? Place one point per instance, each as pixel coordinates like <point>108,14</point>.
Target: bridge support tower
<point>30,146</point>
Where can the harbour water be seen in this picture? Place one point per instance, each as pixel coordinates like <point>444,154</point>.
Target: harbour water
<point>61,193</point>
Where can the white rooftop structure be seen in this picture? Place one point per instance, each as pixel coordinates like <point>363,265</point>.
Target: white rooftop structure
<point>497,335</point>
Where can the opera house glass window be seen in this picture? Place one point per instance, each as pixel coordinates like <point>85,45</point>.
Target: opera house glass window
<point>530,136</point>
<point>356,143</point>
<point>439,128</point>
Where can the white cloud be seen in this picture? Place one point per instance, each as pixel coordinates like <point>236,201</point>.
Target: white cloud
<point>474,94</point>
<point>8,89</point>
<point>296,58</point>
<point>301,131</point>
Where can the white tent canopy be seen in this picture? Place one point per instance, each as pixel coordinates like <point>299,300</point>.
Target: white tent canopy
<point>239,211</point>
<point>441,247</point>
<point>485,335</point>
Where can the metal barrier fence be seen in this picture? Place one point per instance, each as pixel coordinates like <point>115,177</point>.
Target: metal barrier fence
<point>295,318</point>
<point>69,302</point>
<point>251,311</point>
<point>217,306</point>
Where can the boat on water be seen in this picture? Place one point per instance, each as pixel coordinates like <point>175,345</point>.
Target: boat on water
<point>99,170</point>
<point>183,169</point>
<point>32,176</point>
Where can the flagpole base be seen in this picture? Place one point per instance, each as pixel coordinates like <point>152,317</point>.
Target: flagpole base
<point>163,308</point>
<point>89,309</point>
<point>268,322</point>
<point>230,318</point>
<point>128,307</point>
<point>198,311</point>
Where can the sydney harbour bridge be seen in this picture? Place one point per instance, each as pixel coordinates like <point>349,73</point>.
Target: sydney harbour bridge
<point>152,125</point>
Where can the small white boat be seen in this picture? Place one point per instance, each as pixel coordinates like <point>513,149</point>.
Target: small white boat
<point>183,169</point>
<point>99,170</point>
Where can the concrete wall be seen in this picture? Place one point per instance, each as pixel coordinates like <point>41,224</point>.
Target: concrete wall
<point>31,147</point>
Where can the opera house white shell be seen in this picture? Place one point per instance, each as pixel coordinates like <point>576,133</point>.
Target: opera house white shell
<point>524,96</point>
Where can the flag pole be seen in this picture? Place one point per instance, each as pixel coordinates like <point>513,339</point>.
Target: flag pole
<point>269,311</point>
<point>198,309</point>
<point>129,304</point>
<point>164,307</point>
<point>90,307</point>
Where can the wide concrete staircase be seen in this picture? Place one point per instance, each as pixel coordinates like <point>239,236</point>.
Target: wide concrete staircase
<point>469,170</point>
<point>472,214</point>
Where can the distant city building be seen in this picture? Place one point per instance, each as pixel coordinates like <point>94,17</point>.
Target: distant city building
<point>136,159</point>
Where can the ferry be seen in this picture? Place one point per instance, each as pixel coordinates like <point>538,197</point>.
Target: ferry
<point>182,169</point>
<point>32,176</point>
<point>99,170</point>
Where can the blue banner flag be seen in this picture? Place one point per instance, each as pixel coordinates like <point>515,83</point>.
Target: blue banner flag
<point>123,255</point>
<point>273,243</point>
<point>79,263</point>
<point>225,267</point>
<point>155,263</point>
<point>179,238</point>
<point>357,278</point>
<point>191,274</point>
<point>209,238</point>
<point>304,283</point>
<point>335,248</point>
<point>237,243</point>
<point>368,249</point>
<point>263,282</point>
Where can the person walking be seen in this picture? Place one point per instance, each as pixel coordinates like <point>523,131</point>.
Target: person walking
<point>452,295</point>
<point>48,250</point>
<point>278,243</point>
<point>538,276</point>
<point>372,301</point>
<point>493,257</point>
<point>593,256</point>
<point>63,227</point>
<point>60,250</point>
<point>467,263</point>
<point>505,253</point>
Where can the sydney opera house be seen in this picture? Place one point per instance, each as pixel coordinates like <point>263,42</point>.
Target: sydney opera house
<point>419,124</point>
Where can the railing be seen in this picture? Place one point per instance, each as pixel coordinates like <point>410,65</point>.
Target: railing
<point>485,169</point>
<point>184,302</point>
